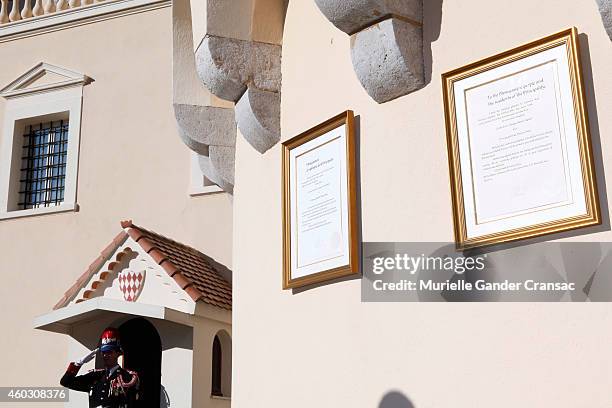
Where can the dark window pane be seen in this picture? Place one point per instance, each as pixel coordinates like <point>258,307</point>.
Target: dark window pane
<point>43,168</point>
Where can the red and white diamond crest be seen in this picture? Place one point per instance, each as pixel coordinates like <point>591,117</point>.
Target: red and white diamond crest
<point>131,284</point>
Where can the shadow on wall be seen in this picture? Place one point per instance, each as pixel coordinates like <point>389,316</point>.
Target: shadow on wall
<point>395,399</point>
<point>432,21</point>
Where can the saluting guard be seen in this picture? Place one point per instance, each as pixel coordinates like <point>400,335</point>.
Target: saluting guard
<point>109,387</point>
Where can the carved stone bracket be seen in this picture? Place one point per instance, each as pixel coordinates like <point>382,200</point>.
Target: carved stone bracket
<point>227,66</point>
<point>238,59</point>
<point>210,132</point>
<point>248,73</point>
<point>386,43</point>
<point>258,116</point>
<point>208,168</point>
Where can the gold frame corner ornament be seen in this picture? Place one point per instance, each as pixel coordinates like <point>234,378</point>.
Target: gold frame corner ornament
<point>568,37</point>
<point>352,268</point>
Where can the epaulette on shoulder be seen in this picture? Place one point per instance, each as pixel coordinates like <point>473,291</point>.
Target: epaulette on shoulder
<point>96,370</point>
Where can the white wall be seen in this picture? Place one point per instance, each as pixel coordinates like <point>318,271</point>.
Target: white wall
<point>323,347</point>
<point>132,165</point>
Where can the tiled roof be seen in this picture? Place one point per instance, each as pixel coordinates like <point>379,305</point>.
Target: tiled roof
<point>197,274</point>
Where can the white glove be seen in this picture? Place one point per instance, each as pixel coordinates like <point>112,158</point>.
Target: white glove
<point>87,358</point>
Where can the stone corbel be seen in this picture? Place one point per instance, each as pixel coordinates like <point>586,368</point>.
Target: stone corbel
<point>258,115</point>
<point>211,133</point>
<point>386,43</point>
<point>247,73</point>
<point>605,8</point>
<point>236,67</point>
<point>206,125</point>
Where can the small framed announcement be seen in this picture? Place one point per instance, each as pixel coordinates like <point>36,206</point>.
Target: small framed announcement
<point>519,148</point>
<point>320,240</point>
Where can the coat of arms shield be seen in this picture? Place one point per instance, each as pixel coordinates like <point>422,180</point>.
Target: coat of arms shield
<point>131,283</point>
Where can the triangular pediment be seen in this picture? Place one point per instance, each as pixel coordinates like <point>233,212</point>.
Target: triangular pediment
<point>44,77</point>
<point>141,266</point>
<point>129,274</point>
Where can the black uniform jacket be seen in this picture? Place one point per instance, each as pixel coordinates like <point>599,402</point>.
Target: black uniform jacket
<point>114,388</point>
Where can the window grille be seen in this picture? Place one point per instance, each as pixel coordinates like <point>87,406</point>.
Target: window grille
<point>43,170</point>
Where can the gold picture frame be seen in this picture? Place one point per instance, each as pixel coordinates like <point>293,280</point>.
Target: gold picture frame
<point>322,158</point>
<point>503,146</point>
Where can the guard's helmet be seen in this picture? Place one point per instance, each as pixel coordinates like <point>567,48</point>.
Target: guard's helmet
<point>110,340</point>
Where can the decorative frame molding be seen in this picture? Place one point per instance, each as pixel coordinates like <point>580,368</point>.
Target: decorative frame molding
<point>19,86</point>
<point>548,223</point>
<point>327,269</point>
<point>75,17</point>
<point>56,99</point>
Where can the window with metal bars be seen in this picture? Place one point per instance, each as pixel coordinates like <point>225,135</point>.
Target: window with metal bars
<point>43,169</point>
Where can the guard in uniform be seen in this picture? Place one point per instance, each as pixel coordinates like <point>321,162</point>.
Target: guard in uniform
<point>110,387</point>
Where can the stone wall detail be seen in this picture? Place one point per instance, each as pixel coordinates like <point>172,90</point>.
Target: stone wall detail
<point>247,73</point>
<point>235,52</point>
<point>211,133</point>
<point>605,8</point>
<point>386,43</point>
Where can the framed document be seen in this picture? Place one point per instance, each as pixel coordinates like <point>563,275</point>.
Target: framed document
<point>519,149</point>
<point>320,204</point>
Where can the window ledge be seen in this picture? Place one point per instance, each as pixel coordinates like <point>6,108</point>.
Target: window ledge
<point>38,211</point>
<point>77,16</point>
<point>218,397</point>
<point>198,191</point>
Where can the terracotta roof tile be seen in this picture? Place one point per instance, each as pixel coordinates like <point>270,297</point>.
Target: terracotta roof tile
<point>145,243</point>
<point>181,280</point>
<point>196,273</point>
<point>194,293</point>
<point>135,234</point>
<point>158,256</point>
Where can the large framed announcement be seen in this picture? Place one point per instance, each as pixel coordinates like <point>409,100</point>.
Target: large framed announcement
<point>520,157</point>
<point>320,240</point>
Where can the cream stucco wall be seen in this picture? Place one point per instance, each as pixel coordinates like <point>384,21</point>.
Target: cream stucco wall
<point>325,348</point>
<point>132,165</point>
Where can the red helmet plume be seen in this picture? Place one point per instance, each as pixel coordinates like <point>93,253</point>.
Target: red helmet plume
<point>109,340</point>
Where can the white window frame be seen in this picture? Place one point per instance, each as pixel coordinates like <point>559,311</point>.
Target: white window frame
<point>25,104</point>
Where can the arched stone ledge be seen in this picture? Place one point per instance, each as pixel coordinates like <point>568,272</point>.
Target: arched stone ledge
<point>386,43</point>
<point>258,117</point>
<point>208,169</point>
<point>210,132</point>
<point>248,73</point>
<point>388,59</point>
<point>227,66</point>
<point>352,16</point>
<point>386,51</point>
<point>202,126</point>
<point>605,8</point>
<point>223,159</point>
